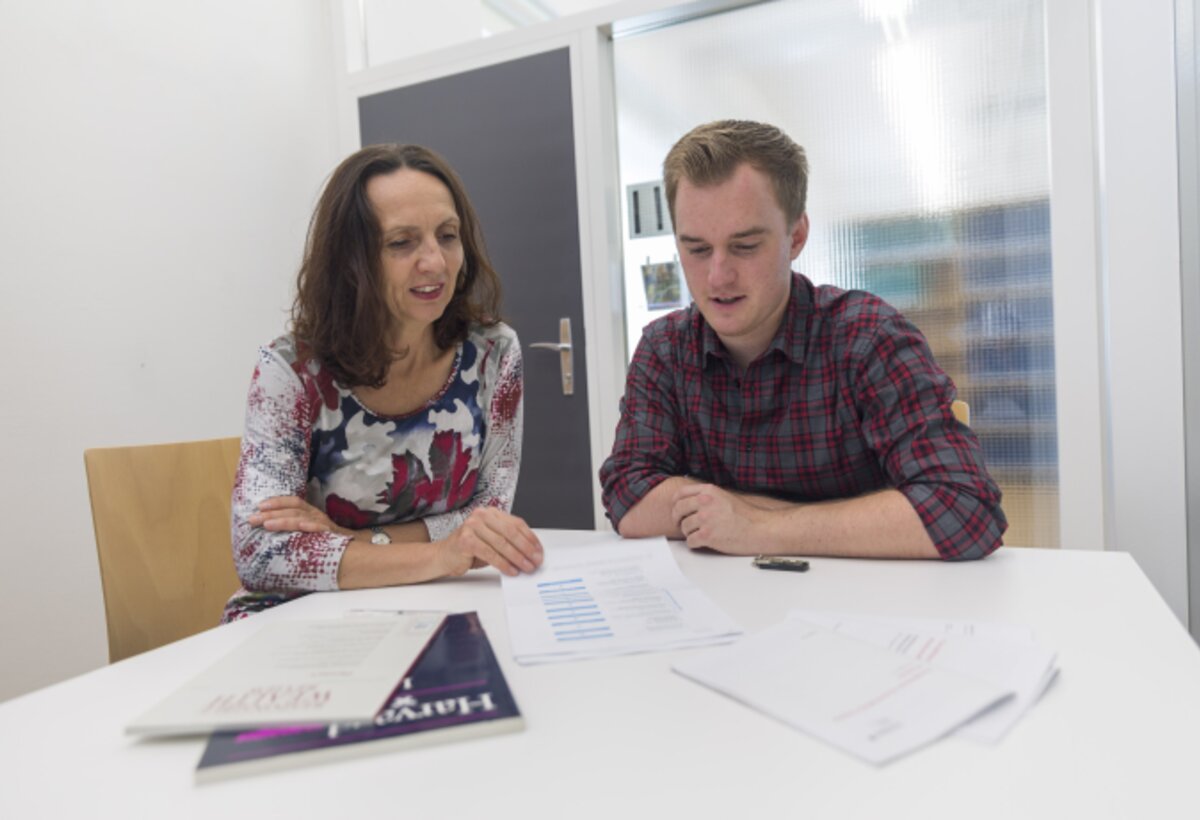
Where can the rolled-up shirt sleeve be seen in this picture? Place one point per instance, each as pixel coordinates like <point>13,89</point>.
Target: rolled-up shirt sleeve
<point>280,409</point>
<point>930,457</point>
<point>647,449</point>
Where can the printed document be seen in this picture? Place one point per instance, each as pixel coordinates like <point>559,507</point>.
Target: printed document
<point>1004,654</point>
<point>297,672</point>
<point>609,597</point>
<point>867,700</point>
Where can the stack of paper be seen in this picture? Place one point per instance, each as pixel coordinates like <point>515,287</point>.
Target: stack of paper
<point>608,598</point>
<point>290,672</point>
<point>1006,655</point>
<point>880,688</point>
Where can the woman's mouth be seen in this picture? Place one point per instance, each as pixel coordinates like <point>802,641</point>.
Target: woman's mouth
<point>427,292</point>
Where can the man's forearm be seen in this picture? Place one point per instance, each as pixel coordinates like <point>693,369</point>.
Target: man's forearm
<point>877,525</point>
<point>652,515</point>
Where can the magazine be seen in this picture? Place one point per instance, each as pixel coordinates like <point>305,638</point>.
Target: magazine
<point>456,690</point>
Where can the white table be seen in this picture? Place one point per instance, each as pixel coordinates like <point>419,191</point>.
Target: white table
<point>1115,736</point>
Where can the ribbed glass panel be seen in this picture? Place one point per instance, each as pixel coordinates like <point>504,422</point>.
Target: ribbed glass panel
<point>926,129</point>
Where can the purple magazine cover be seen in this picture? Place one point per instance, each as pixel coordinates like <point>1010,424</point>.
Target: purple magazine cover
<point>456,689</point>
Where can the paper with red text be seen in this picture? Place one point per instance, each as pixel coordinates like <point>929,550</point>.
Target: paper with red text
<point>1008,655</point>
<point>861,698</point>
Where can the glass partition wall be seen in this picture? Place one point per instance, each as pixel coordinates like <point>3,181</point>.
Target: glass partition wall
<point>925,123</point>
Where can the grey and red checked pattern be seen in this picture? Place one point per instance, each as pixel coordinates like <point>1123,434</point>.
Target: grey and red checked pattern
<point>846,400</point>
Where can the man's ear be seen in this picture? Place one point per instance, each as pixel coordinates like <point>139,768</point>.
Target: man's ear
<point>799,235</point>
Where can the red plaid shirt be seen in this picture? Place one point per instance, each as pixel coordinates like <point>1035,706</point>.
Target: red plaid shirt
<point>847,399</point>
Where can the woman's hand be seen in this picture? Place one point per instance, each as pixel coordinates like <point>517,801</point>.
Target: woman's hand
<point>288,513</point>
<point>492,537</point>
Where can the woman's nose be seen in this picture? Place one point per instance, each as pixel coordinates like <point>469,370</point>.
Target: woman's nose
<point>430,257</point>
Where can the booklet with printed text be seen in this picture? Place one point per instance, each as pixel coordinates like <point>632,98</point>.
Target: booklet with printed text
<point>290,672</point>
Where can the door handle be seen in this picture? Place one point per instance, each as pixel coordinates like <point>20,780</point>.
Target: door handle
<point>566,354</point>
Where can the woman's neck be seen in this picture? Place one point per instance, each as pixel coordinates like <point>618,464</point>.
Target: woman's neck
<point>412,351</point>
<point>415,376</point>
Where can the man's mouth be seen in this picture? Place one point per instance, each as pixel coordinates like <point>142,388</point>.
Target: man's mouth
<point>726,300</point>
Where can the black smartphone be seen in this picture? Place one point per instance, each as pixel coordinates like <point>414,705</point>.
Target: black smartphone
<point>781,562</point>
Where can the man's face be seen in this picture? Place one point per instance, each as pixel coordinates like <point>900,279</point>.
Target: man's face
<point>737,251</point>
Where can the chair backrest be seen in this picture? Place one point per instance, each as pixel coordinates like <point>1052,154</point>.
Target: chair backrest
<point>961,411</point>
<point>161,514</point>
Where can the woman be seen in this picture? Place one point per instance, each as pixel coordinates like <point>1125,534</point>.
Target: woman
<point>383,435</point>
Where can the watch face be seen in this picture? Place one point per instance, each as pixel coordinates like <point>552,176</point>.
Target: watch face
<point>380,537</point>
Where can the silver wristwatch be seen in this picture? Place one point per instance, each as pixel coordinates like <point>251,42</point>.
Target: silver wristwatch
<point>378,536</point>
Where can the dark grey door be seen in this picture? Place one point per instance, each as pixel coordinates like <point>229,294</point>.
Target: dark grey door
<point>507,130</point>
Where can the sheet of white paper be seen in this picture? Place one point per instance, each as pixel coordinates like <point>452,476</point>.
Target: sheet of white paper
<point>1006,655</point>
<point>612,597</point>
<point>866,700</point>
<point>329,671</point>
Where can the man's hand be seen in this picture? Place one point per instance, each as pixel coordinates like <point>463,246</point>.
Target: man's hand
<point>709,516</point>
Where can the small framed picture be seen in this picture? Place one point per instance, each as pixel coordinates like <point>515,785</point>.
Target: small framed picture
<point>664,290</point>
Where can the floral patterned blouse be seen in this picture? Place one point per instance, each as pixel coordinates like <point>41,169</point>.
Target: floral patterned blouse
<point>309,436</point>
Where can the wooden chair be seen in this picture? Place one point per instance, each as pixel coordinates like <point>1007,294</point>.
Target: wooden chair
<point>161,514</point>
<point>961,411</point>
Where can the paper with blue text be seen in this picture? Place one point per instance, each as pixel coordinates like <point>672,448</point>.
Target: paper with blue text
<point>610,597</point>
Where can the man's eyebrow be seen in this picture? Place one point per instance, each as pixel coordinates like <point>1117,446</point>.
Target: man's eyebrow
<point>746,234</point>
<point>749,232</point>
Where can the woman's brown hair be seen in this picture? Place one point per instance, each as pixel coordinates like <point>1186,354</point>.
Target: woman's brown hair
<point>341,312</point>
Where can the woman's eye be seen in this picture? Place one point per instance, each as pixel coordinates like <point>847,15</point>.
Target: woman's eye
<point>399,244</point>
<point>449,237</point>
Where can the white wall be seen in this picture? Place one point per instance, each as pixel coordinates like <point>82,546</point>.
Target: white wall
<point>1138,174</point>
<point>158,162</point>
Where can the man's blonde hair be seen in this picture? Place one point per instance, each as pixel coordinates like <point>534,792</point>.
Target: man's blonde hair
<point>710,153</point>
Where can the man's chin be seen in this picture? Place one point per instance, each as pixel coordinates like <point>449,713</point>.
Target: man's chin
<point>727,315</point>
<point>727,330</point>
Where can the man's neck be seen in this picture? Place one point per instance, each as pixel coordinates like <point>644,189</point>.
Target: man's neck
<point>744,350</point>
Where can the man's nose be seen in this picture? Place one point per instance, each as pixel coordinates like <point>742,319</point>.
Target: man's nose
<point>721,269</point>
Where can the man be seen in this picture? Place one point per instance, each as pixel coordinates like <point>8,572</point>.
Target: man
<point>775,416</point>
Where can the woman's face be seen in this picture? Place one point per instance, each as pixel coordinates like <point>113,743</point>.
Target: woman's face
<point>422,251</point>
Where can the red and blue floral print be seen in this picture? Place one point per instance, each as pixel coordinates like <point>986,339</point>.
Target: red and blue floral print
<point>309,436</point>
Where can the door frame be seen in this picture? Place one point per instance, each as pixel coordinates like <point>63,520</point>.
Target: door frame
<point>594,124</point>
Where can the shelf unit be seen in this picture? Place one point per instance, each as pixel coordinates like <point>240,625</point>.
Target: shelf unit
<point>977,281</point>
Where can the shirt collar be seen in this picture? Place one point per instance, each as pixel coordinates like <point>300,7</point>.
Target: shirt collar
<point>790,339</point>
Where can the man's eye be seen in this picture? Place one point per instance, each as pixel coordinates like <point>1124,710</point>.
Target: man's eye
<point>698,250</point>
<point>745,248</point>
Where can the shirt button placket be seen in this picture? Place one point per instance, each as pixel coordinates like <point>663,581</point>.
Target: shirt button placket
<point>745,454</point>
